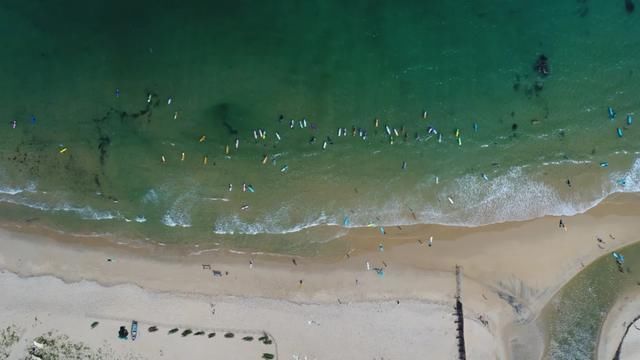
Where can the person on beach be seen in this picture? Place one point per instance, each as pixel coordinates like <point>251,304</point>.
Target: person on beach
<point>250,264</point>
<point>562,225</point>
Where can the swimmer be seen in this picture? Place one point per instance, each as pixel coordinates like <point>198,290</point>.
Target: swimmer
<point>33,119</point>
<point>475,127</point>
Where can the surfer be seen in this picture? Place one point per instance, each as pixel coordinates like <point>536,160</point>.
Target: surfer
<point>542,65</point>
<point>13,124</point>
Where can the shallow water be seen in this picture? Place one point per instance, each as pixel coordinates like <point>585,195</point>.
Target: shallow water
<point>574,317</point>
<point>232,67</point>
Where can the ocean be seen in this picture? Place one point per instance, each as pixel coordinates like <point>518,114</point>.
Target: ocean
<point>122,118</point>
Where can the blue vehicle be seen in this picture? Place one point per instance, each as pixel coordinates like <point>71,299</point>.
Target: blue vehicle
<point>618,257</point>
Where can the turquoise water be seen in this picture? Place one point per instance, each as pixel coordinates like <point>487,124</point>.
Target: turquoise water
<point>575,315</point>
<point>234,67</point>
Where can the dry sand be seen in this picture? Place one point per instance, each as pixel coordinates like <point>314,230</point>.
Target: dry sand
<point>510,271</point>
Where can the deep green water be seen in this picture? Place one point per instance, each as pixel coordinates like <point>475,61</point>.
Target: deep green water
<point>575,315</point>
<point>231,67</point>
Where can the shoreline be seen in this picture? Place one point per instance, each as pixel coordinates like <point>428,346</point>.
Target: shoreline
<point>506,266</point>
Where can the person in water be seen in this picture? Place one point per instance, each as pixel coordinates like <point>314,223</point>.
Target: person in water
<point>542,65</point>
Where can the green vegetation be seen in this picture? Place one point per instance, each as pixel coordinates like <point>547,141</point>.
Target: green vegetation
<point>8,337</point>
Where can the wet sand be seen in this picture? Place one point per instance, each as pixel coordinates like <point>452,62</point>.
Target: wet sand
<point>510,271</point>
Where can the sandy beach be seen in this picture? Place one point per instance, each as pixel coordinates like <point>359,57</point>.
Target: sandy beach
<point>320,307</point>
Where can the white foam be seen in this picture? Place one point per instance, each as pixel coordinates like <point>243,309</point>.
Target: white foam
<point>9,190</point>
<point>179,213</point>
<point>173,219</point>
<point>630,178</point>
<point>564,162</point>
<point>86,212</point>
<point>271,224</point>
<point>150,196</point>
